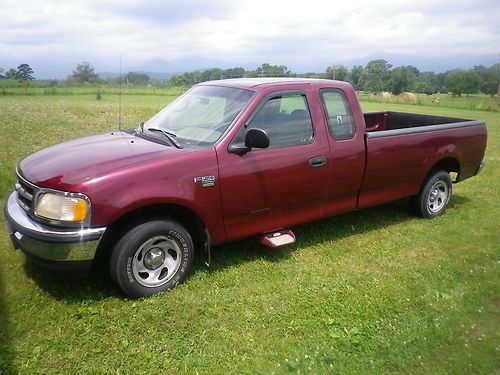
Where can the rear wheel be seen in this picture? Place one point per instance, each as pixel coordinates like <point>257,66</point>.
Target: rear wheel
<point>152,257</point>
<point>434,195</point>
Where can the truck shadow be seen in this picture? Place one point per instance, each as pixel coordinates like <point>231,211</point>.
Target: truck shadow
<point>99,285</point>
<point>329,229</point>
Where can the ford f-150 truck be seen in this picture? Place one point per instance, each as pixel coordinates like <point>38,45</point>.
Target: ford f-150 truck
<point>227,160</point>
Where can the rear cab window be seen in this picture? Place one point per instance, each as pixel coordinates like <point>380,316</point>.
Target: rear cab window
<point>338,114</point>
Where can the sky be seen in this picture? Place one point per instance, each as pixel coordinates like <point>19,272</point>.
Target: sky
<point>294,33</point>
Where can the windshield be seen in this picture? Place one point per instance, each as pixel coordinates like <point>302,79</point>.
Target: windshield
<point>201,115</point>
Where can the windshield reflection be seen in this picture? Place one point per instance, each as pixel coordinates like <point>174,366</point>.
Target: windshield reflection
<point>201,115</point>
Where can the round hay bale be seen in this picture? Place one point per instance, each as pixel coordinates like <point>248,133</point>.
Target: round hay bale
<point>408,97</point>
<point>384,95</point>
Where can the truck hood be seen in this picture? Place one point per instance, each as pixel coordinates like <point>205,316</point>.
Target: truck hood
<point>83,159</point>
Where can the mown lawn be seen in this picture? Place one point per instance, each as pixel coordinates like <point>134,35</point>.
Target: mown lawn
<point>375,291</point>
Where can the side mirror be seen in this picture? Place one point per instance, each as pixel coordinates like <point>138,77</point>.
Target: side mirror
<point>254,138</point>
<point>257,138</point>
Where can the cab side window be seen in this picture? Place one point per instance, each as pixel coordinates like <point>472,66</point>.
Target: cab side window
<point>338,114</point>
<point>286,120</point>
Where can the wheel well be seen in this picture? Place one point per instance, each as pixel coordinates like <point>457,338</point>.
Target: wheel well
<point>189,219</point>
<point>449,165</point>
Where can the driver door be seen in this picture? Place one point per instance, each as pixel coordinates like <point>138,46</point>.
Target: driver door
<point>285,184</point>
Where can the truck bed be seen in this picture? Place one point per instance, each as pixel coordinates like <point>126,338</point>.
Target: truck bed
<point>401,149</point>
<point>388,123</point>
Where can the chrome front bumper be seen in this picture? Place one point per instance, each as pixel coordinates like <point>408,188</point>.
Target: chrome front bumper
<point>46,243</point>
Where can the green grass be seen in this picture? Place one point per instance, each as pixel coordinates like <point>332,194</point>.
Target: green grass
<point>478,102</point>
<point>376,291</point>
<point>9,88</point>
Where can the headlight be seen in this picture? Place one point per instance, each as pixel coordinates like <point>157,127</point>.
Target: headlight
<point>60,207</point>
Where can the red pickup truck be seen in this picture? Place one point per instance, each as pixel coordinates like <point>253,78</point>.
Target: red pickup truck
<point>226,160</point>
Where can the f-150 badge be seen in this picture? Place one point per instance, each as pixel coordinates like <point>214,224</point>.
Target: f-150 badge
<point>206,181</point>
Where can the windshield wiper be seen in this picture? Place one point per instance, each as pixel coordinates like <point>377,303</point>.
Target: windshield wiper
<point>169,135</point>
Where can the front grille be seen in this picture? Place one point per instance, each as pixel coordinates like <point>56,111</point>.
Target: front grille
<point>25,193</point>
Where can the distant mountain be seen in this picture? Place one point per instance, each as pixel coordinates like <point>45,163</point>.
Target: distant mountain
<point>157,66</point>
<point>200,63</point>
<point>189,64</point>
<point>437,64</point>
<point>155,75</point>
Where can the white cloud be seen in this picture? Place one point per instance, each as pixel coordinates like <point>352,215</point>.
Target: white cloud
<point>289,32</point>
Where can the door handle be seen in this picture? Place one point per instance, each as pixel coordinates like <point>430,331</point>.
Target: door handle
<point>317,162</point>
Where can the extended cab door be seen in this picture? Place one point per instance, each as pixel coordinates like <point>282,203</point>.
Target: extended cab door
<point>285,184</point>
<point>345,124</point>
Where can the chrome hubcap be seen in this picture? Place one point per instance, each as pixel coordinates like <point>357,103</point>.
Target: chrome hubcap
<point>154,258</point>
<point>438,196</point>
<point>156,261</point>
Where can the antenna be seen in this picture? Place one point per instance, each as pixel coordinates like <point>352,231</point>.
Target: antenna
<point>120,98</point>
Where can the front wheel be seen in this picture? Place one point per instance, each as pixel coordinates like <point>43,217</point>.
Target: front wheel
<point>434,195</point>
<point>152,257</point>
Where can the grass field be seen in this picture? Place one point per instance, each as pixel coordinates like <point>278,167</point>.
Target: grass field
<point>478,102</point>
<point>68,90</point>
<point>376,291</point>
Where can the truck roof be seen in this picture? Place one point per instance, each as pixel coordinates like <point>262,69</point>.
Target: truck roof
<point>260,83</point>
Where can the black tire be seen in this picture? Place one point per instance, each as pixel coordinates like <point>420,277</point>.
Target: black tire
<point>434,195</point>
<point>152,257</point>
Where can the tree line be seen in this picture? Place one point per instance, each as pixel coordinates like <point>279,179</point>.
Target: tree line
<point>22,73</point>
<point>378,76</point>
<point>375,76</point>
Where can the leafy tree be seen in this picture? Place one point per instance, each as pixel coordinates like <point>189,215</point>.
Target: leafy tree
<point>84,72</point>
<point>193,77</point>
<point>413,69</point>
<point>234,73</point>
<point>490,78</point>
<point>422,87</point>
<point>136,78</point>
<point>493,81</point>
<point>1,73</point>
<point>267,70</point>
<point>375,76</point>
<point>430,81</point>
<point>440,82</point>
<point>187,79</point>
<point>312,75</point>
<point>24,73</point>
<point>212,74</point>
<point>250,74</point>
<point>11,73</point>
<point>178,81</point>
<point>454,81</point>
<point>462,82</point>
<point>402,79</point>
<point>338,72</point>
<point>355,75</point>
<point>472,82</point>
